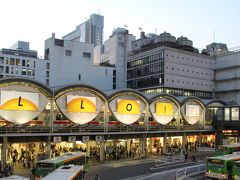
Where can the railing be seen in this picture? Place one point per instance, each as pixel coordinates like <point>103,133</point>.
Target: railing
<point>190,171</point>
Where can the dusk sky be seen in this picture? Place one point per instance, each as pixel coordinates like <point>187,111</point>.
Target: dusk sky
<point>35,20</point>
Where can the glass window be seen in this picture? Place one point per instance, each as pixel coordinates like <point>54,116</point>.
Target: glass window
<point>18,62</point>
<point>226,114</point>
<point>235,114</point>
<point>23,62</point>
<point>68,53</point>
<point>28,63</point>
<point>24,72</point>
<point>86,55</point>
<point>48,65</point>
<point>47,74</point>
<point>12,61</point>
<point>7,69</point>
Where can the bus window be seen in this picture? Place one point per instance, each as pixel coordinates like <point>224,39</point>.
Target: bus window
<point>216,163</point>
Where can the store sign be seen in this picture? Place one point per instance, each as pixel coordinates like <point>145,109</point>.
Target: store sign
<point>164,109</point>
<point>81,104</point>
<point>192,110</point>
<point>20,101</point>
<point>57,139</point>
<point>163,112</point>
<point>99,138</point>
<point>71,139</point>
<point>128,106</point>
<point>192,113</point>
<point>85,139</point>
<point>21,107</point>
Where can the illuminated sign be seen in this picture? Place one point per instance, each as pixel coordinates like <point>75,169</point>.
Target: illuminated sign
<point>192,110</point>
<point>128,106</point>
<point>19,101</point>
<point>164,109</point>
<point>81,104</point>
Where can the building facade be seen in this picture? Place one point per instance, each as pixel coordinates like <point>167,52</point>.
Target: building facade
<point>227,77</point>
<point>72,62</point>
<point>162,64</point>
<point>90,31</point>
<point>114,53</point>
<point>20,61</point>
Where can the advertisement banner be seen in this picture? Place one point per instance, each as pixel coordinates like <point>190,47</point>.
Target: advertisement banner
<point>20,101</point>
<point>128,106</point>
<point>164,109</point>
<point>82,104</point>
<point>192,110</point>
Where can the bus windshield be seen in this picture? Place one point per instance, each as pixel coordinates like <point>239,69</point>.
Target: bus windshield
<point>216,163</point>
<point>42,165</point>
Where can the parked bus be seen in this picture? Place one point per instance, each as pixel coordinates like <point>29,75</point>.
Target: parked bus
<point>15,177</point>
<point>67,172</point>
<point>227,149</point>
<point>221,167</point>
<point>44,167</point>
<point>236,170</point>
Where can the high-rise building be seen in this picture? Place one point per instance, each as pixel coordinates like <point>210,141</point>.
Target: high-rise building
<point>90,31</point>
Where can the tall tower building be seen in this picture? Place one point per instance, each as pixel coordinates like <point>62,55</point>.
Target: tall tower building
<point>90,31</point>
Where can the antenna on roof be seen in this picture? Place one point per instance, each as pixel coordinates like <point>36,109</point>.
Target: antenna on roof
<point>98,11</point>
<point>213,35</point>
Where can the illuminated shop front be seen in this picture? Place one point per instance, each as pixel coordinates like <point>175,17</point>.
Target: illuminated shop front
<point>122,118</point>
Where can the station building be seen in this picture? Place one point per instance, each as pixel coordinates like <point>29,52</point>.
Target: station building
<point>82,115</point>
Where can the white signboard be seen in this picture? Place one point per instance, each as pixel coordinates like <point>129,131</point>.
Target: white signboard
<point>57,139</point>
<point>192,110</point>
<point>99,138</point>
<point>71,139</point>
<point>12,100</point>
<point>85,139</point>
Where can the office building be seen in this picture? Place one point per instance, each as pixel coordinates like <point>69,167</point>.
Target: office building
<point>164,64</point>
<point>72,62</point>
<point>227,77</point>
<point>20,61</point>
<point>90,31</point>
<point>114,53</point>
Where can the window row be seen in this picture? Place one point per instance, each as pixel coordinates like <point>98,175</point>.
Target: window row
<point>17,62</point>
<point>148,70</point>
<point>187,82</point>
<point>193,60</point>
<point>179,92</point>
<point>191,71</point>
<point>16,71</point>
<point>146,60</point>
<point>146,82</point>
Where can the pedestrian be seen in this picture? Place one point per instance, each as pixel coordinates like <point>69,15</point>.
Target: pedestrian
<point>97,177</point>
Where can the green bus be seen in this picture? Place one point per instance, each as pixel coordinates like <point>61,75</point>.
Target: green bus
<point>221,167</point>
<point>236,170</point>
<point>227,149</point>
<point>44,167</point>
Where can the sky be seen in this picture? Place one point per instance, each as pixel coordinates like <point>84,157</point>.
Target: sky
<point>202,21</point>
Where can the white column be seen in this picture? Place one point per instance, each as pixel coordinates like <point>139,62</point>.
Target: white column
<point>102,151</point>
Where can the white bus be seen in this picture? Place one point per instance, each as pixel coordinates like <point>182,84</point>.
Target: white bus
<point>66,172</point>
<point>15,177</point>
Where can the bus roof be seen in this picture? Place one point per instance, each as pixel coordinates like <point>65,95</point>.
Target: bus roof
<point>64,157</point>
<point>235,156</point>
<point>231,145</point>
<point>66,172</point>
<point>15,177</point>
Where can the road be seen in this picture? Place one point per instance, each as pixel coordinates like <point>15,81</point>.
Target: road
<point>138,169</point>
